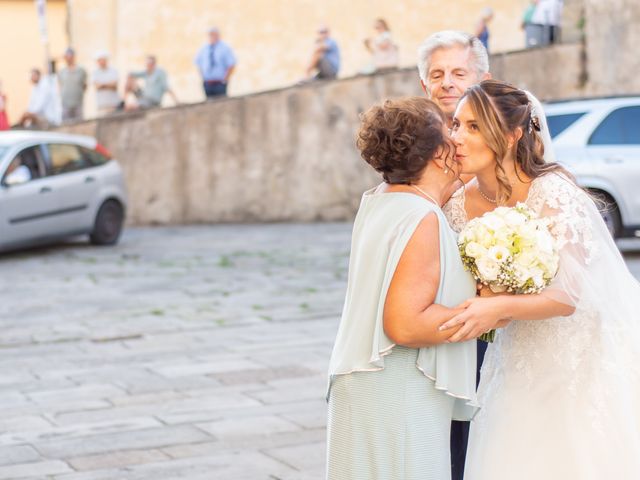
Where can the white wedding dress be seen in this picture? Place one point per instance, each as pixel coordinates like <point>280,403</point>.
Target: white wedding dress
<point>560,398</point>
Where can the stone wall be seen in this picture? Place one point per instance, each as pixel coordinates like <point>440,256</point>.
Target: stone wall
<point>284,155</point>
<point>273,39</point>
<point>612,40</point>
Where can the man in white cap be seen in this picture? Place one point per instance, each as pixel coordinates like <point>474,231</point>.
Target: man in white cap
<point>105,80</point>
<point>216,62</point>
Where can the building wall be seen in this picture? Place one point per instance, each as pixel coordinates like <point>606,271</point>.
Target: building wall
<point>272,38</point>
<point>612,39</point>
<point>22,48</point>
<point>285,155</point>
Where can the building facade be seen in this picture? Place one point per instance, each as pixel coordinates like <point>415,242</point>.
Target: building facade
<point>272,38</point>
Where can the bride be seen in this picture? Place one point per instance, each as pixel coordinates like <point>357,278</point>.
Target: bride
<point>560,385</point>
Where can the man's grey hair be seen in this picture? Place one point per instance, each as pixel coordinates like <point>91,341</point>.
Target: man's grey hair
<point>449,39</point>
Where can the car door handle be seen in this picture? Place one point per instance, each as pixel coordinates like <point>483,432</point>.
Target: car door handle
<point>613,160</point>
<point>89,180</point>
<point>45,190</point>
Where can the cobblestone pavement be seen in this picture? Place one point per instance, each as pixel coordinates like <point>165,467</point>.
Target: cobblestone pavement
<point>183,353</point>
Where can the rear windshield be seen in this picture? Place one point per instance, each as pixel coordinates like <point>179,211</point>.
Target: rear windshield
<point>559,123</point>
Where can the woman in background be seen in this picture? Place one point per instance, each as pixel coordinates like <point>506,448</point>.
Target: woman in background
<point>382,47</point>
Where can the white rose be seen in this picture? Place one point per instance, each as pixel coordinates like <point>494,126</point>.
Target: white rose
<point>484,237</point>
<point>488,269</point>
<point>475,250</point>
<point>514,218</point>
<point>499,254</point>
<point>525,259</point>
<point>493,222</point>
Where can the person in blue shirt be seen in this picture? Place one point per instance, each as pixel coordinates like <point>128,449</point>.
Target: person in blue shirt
<point>216,62</point>
<point>482,28</point>
<point>325,60</point>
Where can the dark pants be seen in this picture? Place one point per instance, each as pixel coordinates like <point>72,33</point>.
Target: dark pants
<point>326,71</point>
<point>212,89</point>
<point>460,430</point>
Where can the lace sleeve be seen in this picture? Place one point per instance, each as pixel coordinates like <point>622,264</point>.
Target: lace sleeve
<point>579,233</point>
<point>454,211</point>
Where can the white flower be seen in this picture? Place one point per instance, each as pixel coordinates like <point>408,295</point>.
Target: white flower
<point>488,269</point>
<point>537,277</point>
<point>510,248</point>
<point>475,250</point>
<point>466,236</point>
<point>499,254</point>
<point>493,222</point>
<point>525,259</point>
<point>514,218</point>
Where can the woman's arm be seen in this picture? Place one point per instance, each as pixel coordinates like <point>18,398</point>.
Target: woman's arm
<point>410,316</point>
<point>482,314</point>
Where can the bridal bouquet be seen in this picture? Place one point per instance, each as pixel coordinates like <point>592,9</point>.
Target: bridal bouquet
<point>510,250</point>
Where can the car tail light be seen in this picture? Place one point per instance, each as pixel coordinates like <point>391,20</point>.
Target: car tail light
<point>101,149</point>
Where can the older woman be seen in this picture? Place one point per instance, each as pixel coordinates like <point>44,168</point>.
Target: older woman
<point>395,384</point>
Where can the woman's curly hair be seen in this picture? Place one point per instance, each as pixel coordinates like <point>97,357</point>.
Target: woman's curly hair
<point>399,138</point>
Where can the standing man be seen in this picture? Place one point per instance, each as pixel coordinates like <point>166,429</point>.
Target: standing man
<point>105,79</point>
<point>216,62</point>
<point>325,59</point>
<point>449,62</point>
<point>73,84</point>
<point>547,17</point>
<point>155,85</point>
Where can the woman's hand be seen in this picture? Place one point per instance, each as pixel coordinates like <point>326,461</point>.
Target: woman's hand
<point>480,316</point>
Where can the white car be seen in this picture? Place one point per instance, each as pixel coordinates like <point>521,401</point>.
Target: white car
<point>598,140</point>
<point>56,185</point>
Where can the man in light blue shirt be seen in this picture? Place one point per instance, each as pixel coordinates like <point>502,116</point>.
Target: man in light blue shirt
<point>326,56</point>
<point>216,62</point>
<point>155,85</point>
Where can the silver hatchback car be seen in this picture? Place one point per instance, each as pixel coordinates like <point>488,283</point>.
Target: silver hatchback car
<point>598,140</point>
<point>56,185</point>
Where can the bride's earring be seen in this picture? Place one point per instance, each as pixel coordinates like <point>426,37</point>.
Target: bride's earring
<point>446,170</point>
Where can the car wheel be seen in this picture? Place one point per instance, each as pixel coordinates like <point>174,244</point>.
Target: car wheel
<point>610,213</point>
<point>108,224</point>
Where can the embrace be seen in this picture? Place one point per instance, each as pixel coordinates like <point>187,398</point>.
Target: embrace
<point>476,230</point>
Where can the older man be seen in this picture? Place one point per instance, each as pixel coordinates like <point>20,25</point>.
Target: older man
<point>156,85</point>
<point>216,62</point>
<point>449,62</point>
<point>105,80</point>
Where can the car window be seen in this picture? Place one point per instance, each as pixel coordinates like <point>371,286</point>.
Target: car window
<point>93,157</point>
<point>66,158</point>
<point>620,127</point>
<point>32,159</point>
<point>559,123</point>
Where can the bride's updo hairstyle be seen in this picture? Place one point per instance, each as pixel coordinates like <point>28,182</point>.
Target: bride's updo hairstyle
<point>501,110</point>
<point>399,138</point>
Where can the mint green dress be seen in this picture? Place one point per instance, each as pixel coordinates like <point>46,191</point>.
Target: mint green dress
<point>390,407</point>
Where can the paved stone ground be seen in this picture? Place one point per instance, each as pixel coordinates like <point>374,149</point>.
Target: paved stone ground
<point>183,353</point>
